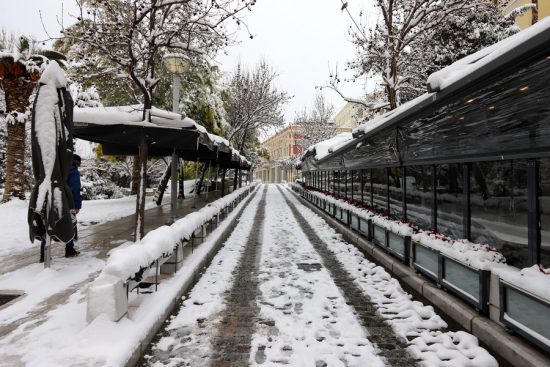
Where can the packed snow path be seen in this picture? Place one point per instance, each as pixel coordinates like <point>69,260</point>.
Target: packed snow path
<point>285,289</point>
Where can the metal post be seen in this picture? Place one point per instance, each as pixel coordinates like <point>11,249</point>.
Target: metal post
<point>174,185</point>
<point>47,251</point>
<point>195,183</point>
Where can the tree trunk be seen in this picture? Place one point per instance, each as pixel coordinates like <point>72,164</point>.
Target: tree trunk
<point>535,12</point>
<point>181,188</point>
<point>161,188</point>
<point>17,93</point>
<point>135,176</point>
<point>201,181</point>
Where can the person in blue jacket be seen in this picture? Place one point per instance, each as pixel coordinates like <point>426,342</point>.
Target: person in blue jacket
<point>73,181</point>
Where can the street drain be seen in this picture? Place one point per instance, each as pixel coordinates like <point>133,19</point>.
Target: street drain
<point>309,267</point>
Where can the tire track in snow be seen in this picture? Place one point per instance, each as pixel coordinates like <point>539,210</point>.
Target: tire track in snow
<point>186,340</point>
<point>234,333</point>
<point>381,334</point>
<point>304,320</point>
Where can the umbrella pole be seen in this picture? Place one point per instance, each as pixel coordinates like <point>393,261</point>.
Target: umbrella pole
<point>195,189</point>
<point>47,251</point>
<point>174,183</point>
<point>140,198</point>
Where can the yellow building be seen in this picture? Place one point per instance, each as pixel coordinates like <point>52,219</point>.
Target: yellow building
<point>281,145</point>
<point>526,19</point>
<point>346,116</point>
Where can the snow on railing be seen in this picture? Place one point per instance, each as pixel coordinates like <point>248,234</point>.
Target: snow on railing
<point>161,242</point>
<point>479,256</point>
<point>127,266</point>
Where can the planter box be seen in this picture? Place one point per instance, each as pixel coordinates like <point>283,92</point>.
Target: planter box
<point>365,227</point>
<point>379,236</point>
<point>426,260</point>
<point>526,314</point>
<point>470,284</point>
<point>355,221</point>
<point>399,246</point>
<point>342,215</point>
<point>329,208</point>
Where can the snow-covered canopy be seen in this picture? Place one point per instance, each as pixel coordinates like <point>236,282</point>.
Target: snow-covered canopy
<point>322,149</point>
<point>489,57</point>
<point>132,115</point>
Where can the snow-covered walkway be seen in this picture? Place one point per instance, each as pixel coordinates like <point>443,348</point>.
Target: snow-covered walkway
<point>285,289</point>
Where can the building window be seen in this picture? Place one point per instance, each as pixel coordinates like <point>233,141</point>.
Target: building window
<point>544,209</point>
<point>395,181</point>
<point>498,196</point>
<point>450,198</point>
<point>419,195</point>
<point>380,190</point>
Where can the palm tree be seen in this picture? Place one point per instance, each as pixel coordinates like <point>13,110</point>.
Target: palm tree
<point>19,73</point>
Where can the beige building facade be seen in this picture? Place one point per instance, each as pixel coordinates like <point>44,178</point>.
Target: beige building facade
<point>281,146</point>
<point>526,19</point>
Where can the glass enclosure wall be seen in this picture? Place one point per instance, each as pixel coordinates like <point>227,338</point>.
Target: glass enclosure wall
<point>419,195</point>
<point>450,197</point>
<point>544,208</point>
<point>498,197</point>
<point>367,188</point>
<point>395,182</point>
<point>379,189</point>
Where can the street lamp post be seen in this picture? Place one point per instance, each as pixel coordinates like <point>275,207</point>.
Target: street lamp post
<point>176,64</point>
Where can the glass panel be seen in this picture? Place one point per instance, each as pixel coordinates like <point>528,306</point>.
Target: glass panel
<point>544,205</point>
<point>395,179</point>
<point>462,277</point>
<point>528,312</point>
<point>379,189</point>
<point>396,243</point>
<point>356,185</point>
<point>367,188</point>
<point>355,221</point>
<point>426,259</point>
<point>379,235</point>
<point>419,195</point>
<point>364,228</point>
<point>499,208</point>
<point>449,200</point>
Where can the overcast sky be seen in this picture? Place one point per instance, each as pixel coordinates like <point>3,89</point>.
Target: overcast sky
<point>300,38</point>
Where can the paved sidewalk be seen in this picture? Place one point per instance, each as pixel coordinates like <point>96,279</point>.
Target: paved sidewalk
<point>106,236</point>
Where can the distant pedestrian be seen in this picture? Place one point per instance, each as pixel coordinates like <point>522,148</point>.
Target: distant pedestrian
<point>73,181</point>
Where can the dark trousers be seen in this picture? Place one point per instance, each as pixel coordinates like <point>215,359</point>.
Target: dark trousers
<point>68,247</point>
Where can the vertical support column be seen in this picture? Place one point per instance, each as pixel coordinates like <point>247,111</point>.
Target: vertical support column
<point>345,184</point>
<point>48,251</point>
<point>387,171</point>
<point>404,191</point>
<point>352,188</point>
<point>362,180</point>
<point>533,215</point>
<point>174,184</point>
<point>434,197</point>
<point>196,196</point>
<point>140,197</point>
<point>181,191</point>
<point>466,211</point>
<point>371,187</point>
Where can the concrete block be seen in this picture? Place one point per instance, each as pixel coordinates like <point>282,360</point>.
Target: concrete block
<point>456,309</point>
<point>512,348</point>
<point>383,258</point>
<point>107,295</point>
<point>408,276</point>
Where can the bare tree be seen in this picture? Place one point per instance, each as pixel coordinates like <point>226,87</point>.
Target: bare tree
<point>254,104</point>
<point>317,124</point>
<point>127,39</point>
<point>386,49</point>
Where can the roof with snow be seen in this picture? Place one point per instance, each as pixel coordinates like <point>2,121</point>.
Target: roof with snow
<point>119,129</point>
<point>490,95</point>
